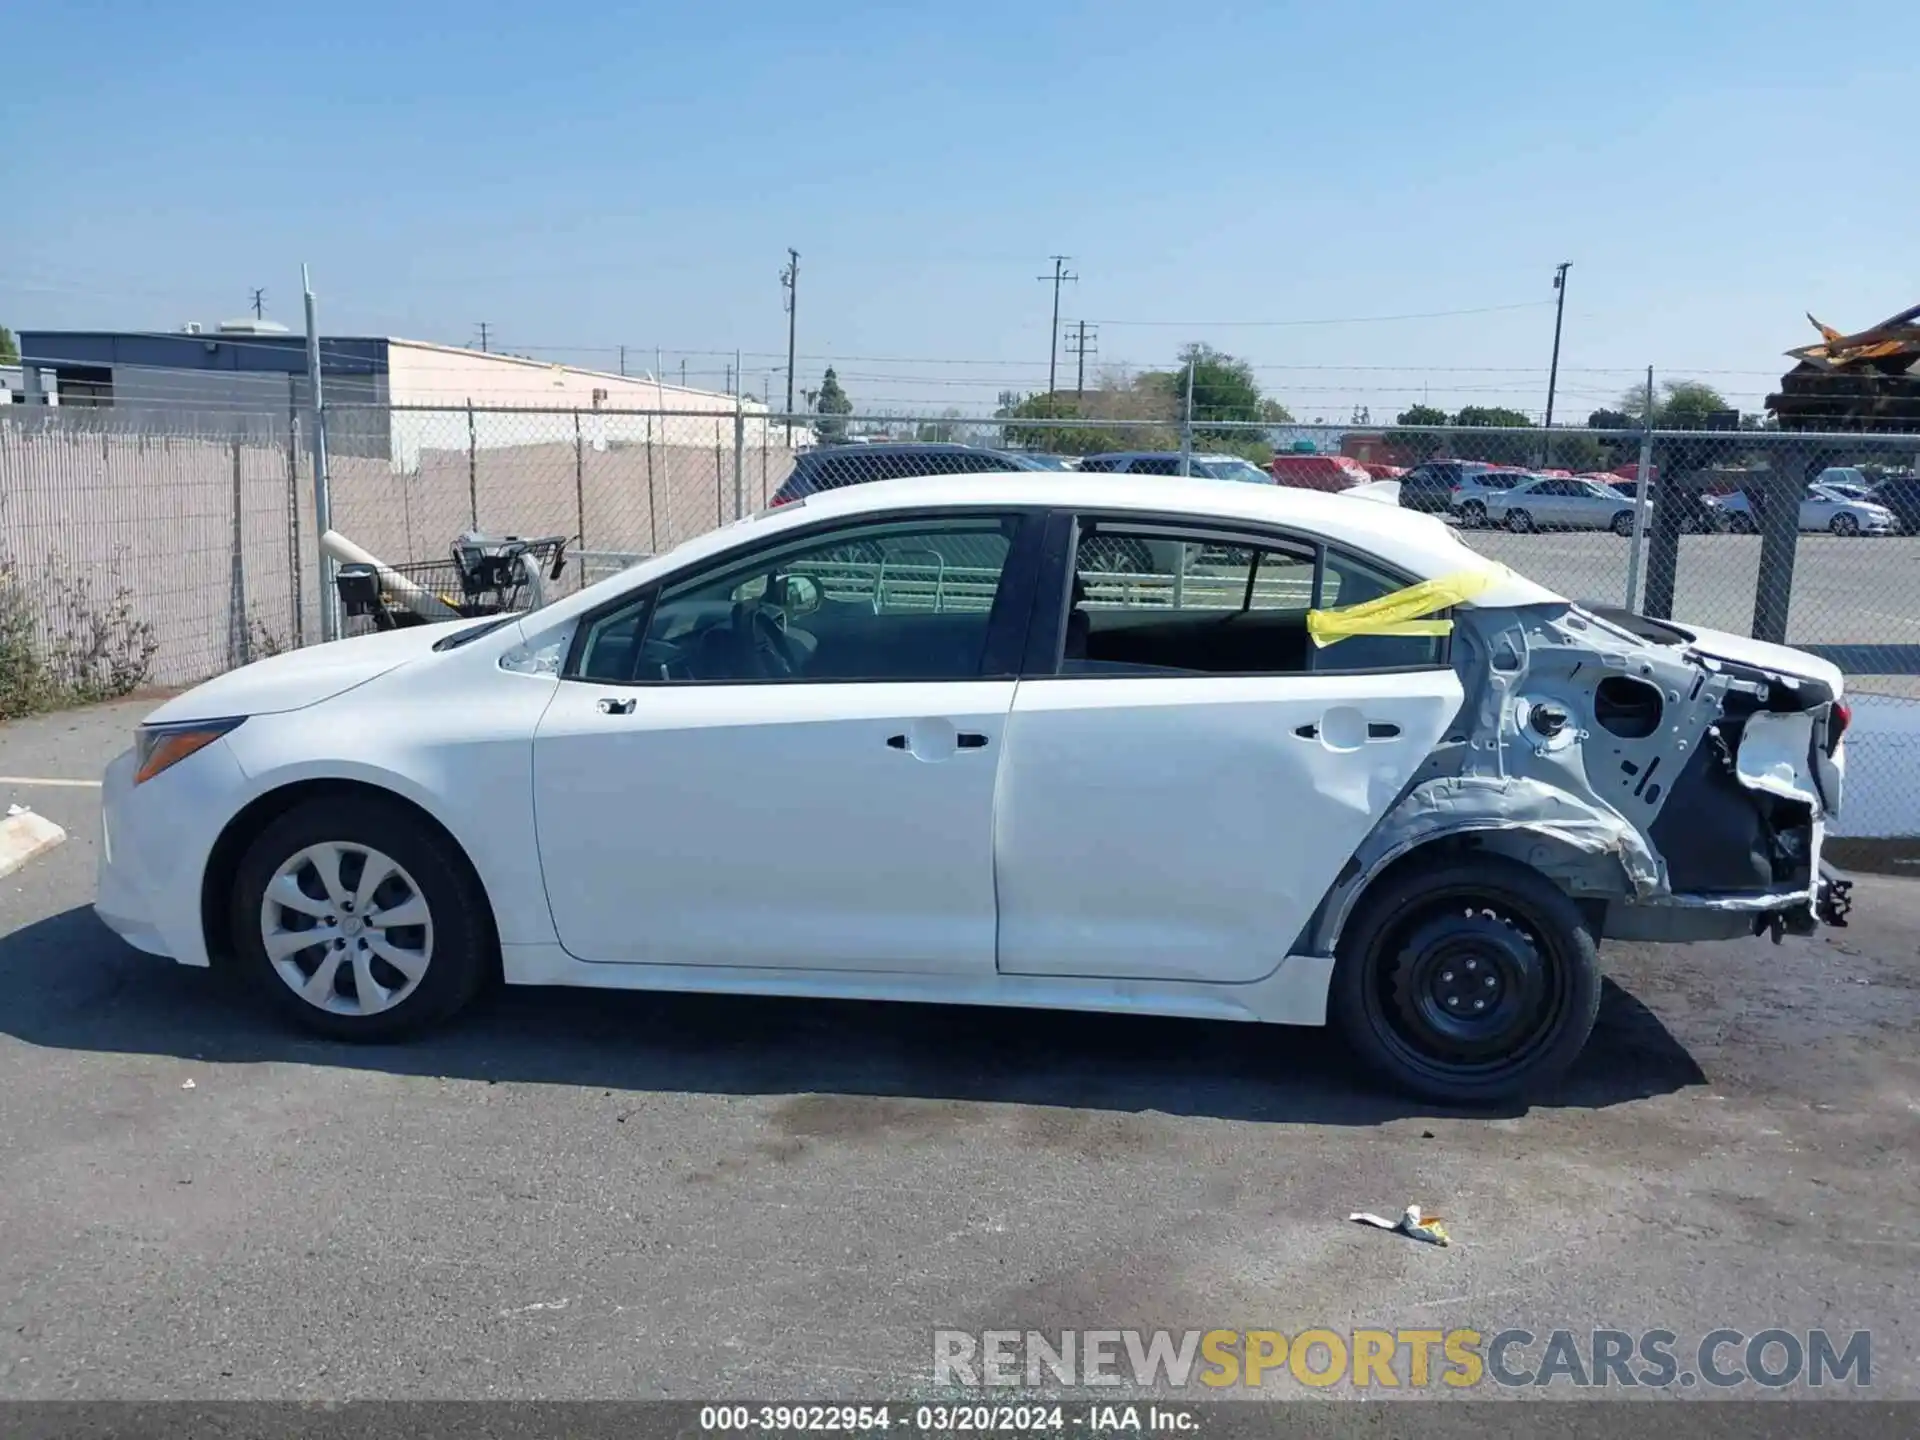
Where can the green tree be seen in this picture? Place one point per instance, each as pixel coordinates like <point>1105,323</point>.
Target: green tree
<point>9,347</point>
<point>830,403</point>
<point>1508,448</point>
<point>1680,405</point>
<point>1418,445</point>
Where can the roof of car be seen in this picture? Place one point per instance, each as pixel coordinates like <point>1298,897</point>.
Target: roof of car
<point>1421,545</point>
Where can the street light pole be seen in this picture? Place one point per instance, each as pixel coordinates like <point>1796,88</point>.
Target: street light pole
<point>1553,372</point>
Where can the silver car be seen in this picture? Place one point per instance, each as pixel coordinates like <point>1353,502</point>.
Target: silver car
<point>1561,504</point>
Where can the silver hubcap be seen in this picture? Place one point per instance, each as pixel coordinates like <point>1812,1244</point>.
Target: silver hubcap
<point>346,928</point>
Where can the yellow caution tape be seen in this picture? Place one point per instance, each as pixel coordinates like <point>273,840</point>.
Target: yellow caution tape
<point>1401,612</point>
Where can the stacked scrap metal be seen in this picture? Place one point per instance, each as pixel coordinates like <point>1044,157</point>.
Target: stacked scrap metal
<point>1868,381</point>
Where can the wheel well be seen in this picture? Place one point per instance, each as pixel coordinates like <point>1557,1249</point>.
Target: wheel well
<point>245,827</point>
<point>1443,848</point>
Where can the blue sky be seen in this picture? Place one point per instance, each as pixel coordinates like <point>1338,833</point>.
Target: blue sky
<point>585,177</point>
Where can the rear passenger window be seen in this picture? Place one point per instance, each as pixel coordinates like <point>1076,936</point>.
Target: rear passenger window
<point>1155,602</point>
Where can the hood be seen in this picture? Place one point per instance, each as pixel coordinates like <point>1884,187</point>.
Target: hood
<point>301,678</point>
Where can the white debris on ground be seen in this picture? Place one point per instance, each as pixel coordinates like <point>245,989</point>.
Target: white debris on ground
<point>25,835</point>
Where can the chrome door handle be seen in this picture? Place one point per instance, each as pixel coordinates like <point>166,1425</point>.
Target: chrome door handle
<point>617,707</point>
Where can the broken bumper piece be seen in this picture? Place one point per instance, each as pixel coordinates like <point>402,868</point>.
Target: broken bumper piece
<point>1832,897</point>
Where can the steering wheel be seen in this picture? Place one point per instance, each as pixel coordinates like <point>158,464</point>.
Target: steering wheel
<point>761,647</point>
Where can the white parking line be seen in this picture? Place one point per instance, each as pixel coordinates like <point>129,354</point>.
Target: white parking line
<point>46,780</point>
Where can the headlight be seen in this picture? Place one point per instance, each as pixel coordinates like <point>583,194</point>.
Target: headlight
<point>160,747</point>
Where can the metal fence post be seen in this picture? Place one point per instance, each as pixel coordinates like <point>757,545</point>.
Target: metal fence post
<point>653,515</point>
<point>1642,502</point>
<point>1785,486</point>
<point>473,470</point>
<point>739,444</point>
<point>297,631</point>
<point>322,498</point>
<point>1186,426</point>
<point>719,495</point>
<point>239,627</point>
<point>579,484</point>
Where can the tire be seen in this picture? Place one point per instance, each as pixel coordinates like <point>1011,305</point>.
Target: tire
<point>1473,514</point>
<point>449,953</point>
<point>1406,953</point>
<point>1844,524</point>
<point>1520,522</point>
<point>1740,523</point>
<point>1623,524</point>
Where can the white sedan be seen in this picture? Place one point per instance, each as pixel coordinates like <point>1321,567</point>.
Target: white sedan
<point>901,741</point>
<point>1825,507</point>
<point>1565,503</point>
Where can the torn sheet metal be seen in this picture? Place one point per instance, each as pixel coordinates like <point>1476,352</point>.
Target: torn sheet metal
<point>1577,732</point>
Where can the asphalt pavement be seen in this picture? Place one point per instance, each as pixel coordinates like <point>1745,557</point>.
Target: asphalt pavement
<point>575,1194</point>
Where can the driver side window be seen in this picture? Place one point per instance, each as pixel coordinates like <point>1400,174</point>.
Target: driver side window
<point>911,600</point>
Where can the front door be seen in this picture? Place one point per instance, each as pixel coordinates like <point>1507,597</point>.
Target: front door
<point>1176,801</point>
<point>787,760</point>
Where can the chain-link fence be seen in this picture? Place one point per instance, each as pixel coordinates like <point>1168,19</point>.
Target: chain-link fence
<point>197,541</point>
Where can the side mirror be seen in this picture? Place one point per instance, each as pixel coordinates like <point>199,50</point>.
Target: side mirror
<point>358,587</point>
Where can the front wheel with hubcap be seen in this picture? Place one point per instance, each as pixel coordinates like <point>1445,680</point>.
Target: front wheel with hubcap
<point>1844,524</point>
<point>1473,514</point>
<point>358,919</point>
<point>1467,981</point>
<point>1519,521</point>
<point>1623,524</point>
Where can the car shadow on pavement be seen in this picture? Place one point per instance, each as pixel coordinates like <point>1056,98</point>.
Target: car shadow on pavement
<point>66,982</point>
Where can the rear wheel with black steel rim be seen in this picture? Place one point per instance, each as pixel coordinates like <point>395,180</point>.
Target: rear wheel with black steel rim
<point>1468,980</point>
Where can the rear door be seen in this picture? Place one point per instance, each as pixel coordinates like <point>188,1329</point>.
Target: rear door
<point>787,759</point>
<point>1184,774</point>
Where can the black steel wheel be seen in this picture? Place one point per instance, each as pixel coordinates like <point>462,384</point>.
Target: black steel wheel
<point>1467,981</point>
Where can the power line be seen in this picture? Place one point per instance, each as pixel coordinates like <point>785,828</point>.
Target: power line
<point>1345,320</point>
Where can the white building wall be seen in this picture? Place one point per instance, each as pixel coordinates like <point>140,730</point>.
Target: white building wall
<point>613,409</point>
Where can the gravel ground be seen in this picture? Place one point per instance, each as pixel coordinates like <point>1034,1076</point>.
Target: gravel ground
<point>577,1194</point>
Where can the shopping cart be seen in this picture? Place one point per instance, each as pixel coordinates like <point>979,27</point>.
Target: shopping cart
<point>483,575</point>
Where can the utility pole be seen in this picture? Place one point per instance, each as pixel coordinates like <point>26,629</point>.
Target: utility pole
<point>483,335</point>
<point>683,372</point>
<point>259,303</point>
<point>790,282</point>
<point>1081,342</point>
<point>623,360</point>
<point>1059,277</point>
<point>1553,372</point>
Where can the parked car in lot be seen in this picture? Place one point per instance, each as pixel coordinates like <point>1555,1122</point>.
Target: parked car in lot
<point>1901,495</point>
<point>1471,492</point>
<point>1167,462</point>
<point>1561,504</point>
<point>964,756</point>
<point>1822,509</point>
<point>1429,486</point>
<point>829,467</point>
<point>1320,472</point>
<point>1699,514</point>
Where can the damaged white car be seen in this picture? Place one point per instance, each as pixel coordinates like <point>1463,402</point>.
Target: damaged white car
<point>1302,760</point>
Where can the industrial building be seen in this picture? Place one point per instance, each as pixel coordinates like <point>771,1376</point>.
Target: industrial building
<point>387,398</point>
